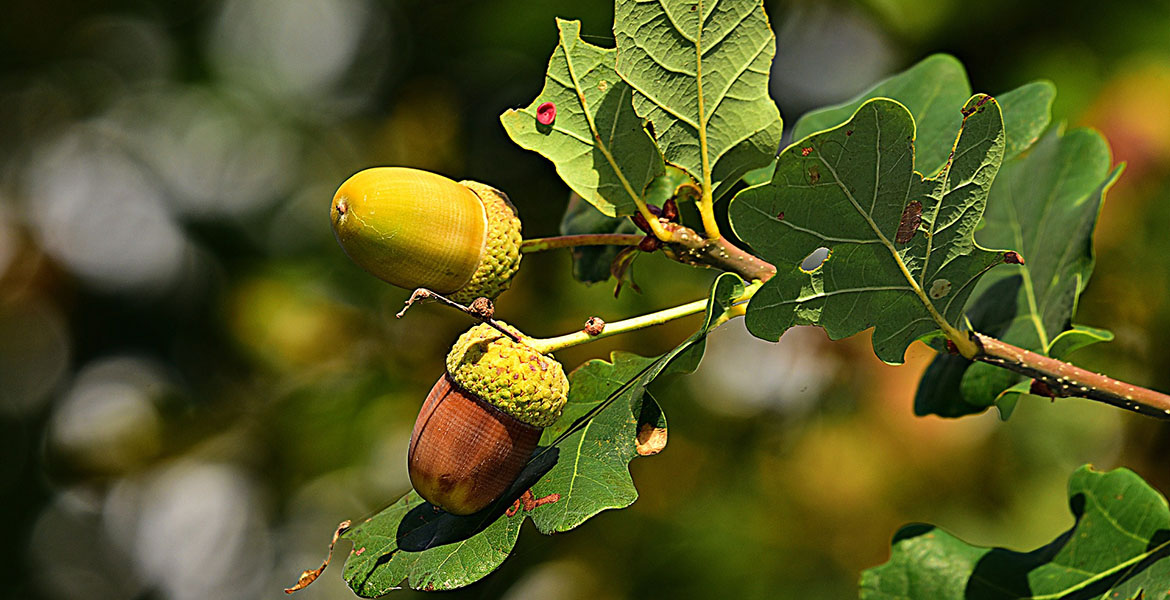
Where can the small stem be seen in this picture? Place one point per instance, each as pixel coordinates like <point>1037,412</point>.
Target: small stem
<point>1068,380</point>
<point>422,294</point>
<point>572,241</point>
<point>707,211</point>
<point>548,345</point>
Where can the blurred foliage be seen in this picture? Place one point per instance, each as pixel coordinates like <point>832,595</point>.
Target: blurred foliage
<point>196,386</point>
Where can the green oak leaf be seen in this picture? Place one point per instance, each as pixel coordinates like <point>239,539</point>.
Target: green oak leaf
<point>902,248</point>
<point>1027,110</point>
<point>599,146</point>
<point>1044,205</point>
<point>1119,547</point>
<point>699,69</point>
<point>609,420</point>
<point>591,264</point>
<point>933,90</point>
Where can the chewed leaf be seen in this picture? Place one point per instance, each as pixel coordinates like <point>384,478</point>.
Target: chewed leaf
<point>581,469</point>
<point>600,147</point>
<point>1044,206</point>
<point>1119,547</point>
<point>902,254</point>
<point>699,70</point>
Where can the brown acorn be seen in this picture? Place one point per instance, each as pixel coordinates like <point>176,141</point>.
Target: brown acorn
<point>482,420</point>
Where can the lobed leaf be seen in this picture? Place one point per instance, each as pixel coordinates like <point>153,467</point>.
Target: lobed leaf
<point>902,255</point>
<point>580,470</point>
<point>933,90</point>
<point>1119,547</point>
<point>599,146</point>
<point>699,70</point>
<point>1043,205</point>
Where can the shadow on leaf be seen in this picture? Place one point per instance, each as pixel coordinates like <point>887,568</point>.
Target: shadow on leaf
<point>1002,571</point>
<point>426,526</point>
<point>940,391</point>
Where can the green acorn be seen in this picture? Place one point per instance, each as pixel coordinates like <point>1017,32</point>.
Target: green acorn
<point>415,229</point>
<point>482,420</point>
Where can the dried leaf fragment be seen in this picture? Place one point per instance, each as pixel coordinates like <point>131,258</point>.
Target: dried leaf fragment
<point>651,440</point>
<point>911,219</point>
<point>311,575</point>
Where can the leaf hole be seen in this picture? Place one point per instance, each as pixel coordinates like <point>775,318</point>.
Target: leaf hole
<point>815,259</point>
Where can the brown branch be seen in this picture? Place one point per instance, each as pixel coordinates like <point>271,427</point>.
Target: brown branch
<point>585,239</point>
<point>688,247</point>
<point>1064,379</point>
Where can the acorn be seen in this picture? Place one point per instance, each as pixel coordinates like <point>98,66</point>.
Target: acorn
<point>415,229</point>
<point>482,420</point>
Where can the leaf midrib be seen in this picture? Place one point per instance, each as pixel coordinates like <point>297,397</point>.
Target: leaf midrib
<point>917,289</point>
<point>636,197</point>
<point>1026,277</point>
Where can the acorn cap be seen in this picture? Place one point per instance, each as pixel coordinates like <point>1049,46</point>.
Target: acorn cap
<point>501,253</point>
<point>413,228</point>
<point>509,375</point>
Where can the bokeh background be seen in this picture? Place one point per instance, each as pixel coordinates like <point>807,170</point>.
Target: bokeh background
<point>196,386</point>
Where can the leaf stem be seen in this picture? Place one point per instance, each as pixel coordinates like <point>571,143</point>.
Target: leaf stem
<point>481,309</point>
<point>707,200</point>
<point>635,195</point>
<point>1065,379</point>
<point>707,211</point>
<point>576,338</point>
<point>572,241</point>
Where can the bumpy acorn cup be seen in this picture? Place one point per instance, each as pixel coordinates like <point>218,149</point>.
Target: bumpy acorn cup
<point>417,229</point>
<point>482,420</point>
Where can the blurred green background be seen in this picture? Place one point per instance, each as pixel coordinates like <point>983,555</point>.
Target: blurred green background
<point>196,386</point>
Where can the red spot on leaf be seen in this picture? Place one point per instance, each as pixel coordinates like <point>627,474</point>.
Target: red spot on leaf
<point>546,113</point>
<point>849,133</point>
<point>805,151</point>
<point>527,502</point>
<point>780,216</point>
<point>1012,257</point>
